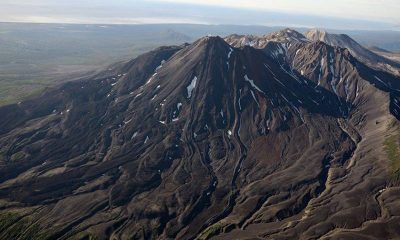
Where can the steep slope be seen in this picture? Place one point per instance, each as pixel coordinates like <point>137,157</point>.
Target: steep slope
<point>363,54</point>
<point>207,140</point>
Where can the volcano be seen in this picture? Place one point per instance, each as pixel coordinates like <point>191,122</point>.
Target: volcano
<point>271,137</point>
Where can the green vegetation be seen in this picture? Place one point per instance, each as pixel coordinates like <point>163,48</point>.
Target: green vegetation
<point>210,231</point>
<point>392,149</point>
<point>17,156</point>
<point>83,236</point>
<point>13,226</point>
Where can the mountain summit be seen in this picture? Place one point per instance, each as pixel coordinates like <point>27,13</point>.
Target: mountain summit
<point>274,137</point>
<point>285,35</point>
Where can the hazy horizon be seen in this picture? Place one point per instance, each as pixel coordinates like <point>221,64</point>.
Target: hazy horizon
<point>353,14</point>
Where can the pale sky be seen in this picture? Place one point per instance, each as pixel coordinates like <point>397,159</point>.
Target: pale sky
<point>346,14</point>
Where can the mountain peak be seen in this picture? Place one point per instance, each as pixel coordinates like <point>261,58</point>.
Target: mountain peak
<point>315,33</point>
<point>286,35</point>
<point>282,36</point>
<point>356,49</point>
<point>322,35</point>
<point>210,40</point>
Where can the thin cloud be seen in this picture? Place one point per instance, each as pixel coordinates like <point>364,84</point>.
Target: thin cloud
<point>311,13</point>
<point>379,10</point>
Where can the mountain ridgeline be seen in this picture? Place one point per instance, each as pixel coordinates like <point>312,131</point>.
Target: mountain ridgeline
<point>272,137</point>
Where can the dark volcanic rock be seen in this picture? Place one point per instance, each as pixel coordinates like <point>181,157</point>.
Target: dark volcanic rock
<point>284,139</point>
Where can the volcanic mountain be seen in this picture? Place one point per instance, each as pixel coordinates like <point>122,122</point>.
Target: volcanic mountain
<point>284,139</point>
<point>363,54</point>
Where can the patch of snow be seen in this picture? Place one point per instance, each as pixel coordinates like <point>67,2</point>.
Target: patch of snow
<point>380,80</point>
<point>153,97</point>
<point>396,103</point>
<point>279,82</point>
<point>254,97</point>
<point>382,190</point>
<point>341,80</point>
<point>146,140</point>
<point>302,73</point>
<point>191,86</point>
<point>161,65</point>
<point>134,135</point>
<point>229,132</point>
<point>239,103</point>
<point>319,79</point>
<point>333,85</point>
<point>252,83</point>
<point>230,53</point>
<point>346,89</point>
<point>331,65</point>
<point>269,69</point>
<point>291,74</point>
<point>113,84</point>
<point>294,107</point>
<point>151,78</point>
<point>357,90</point>
<point>315,101</point>
<point>138,95</point>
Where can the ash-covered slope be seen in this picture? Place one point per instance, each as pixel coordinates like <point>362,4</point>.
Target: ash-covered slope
<point>207,140</point>
<point>363,54</point>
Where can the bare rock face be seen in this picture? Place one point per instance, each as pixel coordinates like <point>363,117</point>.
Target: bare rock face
<point>286,138</point>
